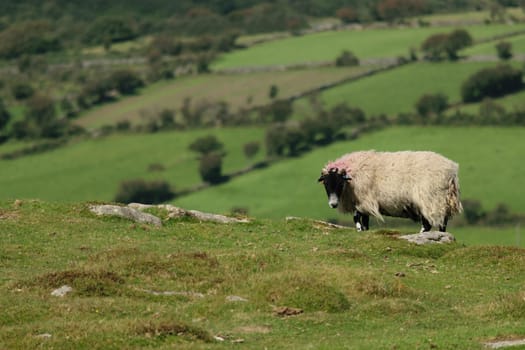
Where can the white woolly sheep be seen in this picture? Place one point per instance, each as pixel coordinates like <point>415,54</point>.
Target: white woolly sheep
<point>423,186</point>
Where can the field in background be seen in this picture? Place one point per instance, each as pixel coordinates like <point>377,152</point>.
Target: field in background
<point>239,91</point>
<point>489,158</point>
<point>93,169</point>
<point>365,44</point>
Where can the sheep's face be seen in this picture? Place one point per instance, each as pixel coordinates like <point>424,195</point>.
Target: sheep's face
<point>334,183</point>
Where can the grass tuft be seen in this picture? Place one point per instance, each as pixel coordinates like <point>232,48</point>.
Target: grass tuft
<point>164,329</point>
<point>84,283</point>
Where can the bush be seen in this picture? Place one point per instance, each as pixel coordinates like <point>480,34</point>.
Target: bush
<point>4,115</point>
<point>27,38</point>
<point>22,90</point>
<point>141,191</point>
<point>107,30</point>
<point>441,45</point>
<point>206,145</point>
<point>346,59</point>
<point>125,81</point>
<point>429,104</point>
<point>491,82</point>
<point>251,149</point>
<point>210,168</point>
<point>504,49</point>
<point>347,15</point>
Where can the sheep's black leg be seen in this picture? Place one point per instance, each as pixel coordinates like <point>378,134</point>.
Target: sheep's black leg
<point>443,228</point>
<point>365,219</point>
<point>426,225</point>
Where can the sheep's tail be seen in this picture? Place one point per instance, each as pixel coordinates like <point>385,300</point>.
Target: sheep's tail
<point>453,201</point>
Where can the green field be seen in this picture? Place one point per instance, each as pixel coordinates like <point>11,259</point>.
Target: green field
<point>489,48</point>
<point>399,89</point>
<point>93,169</point>
<point>489,159</point>
<point>326,46</point>
<point>354,291</point>
<point>510,103</point>
<point>239,91</point>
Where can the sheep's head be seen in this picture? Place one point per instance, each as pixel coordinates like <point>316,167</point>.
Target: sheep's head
<point>334,180</point>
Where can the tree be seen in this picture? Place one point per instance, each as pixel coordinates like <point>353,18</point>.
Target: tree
<point>4,115</point>
<point>274,91</point>
<point>210,168</point>
<point>125,81</point>
<point>439,46</point>
<point>391,10</point>
<point>492,82</point>
<point>429,104</point>
<point>457,40</point>
<point>347,58</point>
<point>251,149</point>
<point>28,38</point>
<point>146,192</point>
<point>504,49</point>
<point>347,15</point>
<point>110,29</point>
<point>207,145</point>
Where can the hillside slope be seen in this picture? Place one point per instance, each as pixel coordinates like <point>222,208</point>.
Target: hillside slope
<point>191,285</point>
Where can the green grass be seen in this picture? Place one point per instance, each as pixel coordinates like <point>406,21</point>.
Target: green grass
<point>93,169</point>
<point>398,90</point>
<point>511,103</point>
<point>489,159</point>
<point>326,46</point>
<point>239,91</point>
<point>489,48</point>
<point>347,284</point>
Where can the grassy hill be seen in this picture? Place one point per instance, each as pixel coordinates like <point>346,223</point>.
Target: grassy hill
<point>326,46</point>
<point>239,91</point>
<point>139,287</point>
<point>93,169</point>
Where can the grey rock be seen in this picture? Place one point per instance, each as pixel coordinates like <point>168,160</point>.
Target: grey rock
<point>127,213</point>
<point>429,237</point>
<point>236,298</point>
<point>62,291</point>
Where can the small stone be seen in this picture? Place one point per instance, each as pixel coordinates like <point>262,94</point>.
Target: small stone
<point>236,298</point>
<point>62,291</point>
<point>44,335</point>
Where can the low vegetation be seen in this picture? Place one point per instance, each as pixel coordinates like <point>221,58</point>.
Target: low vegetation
<point>268,283</point>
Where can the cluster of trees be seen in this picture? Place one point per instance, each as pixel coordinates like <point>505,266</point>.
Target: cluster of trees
<point>475,214</point>
<point>446,45</point>
<point>294,137</point>
<point>492,82</point>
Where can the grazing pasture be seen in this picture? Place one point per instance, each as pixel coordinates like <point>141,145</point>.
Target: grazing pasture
<point>365,44</point>
<point>93,169</point>
<point>239,91</point>
<point>489,168</point>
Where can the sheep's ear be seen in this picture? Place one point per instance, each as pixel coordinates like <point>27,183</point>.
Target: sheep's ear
<point>320,179</point>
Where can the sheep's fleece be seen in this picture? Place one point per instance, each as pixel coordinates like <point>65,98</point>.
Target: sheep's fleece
<point>400,184</point>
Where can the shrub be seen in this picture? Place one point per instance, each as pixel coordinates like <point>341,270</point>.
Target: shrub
<point>27,38</point>
<point>347,15</point>
<point>504,49</point>
<point>210,168</point>
<point>4,115</point>
<point>125,81</point>
<point>273,92</point>
<point>441,45</point>
<point>491,82</point>
<point>431,104</point>
<point>141,191</point>
<point>22,90</point>
<point>106,30</point>
<point>206,145</point>
<point>251,149</point>
<point>346,58</point>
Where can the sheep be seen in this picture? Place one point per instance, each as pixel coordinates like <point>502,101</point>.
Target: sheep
<point>420,185</point>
